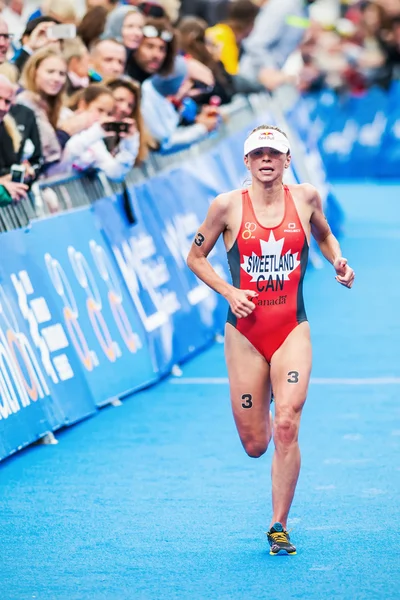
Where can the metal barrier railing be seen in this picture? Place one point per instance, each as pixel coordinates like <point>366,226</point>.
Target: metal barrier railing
<point>54,195</point>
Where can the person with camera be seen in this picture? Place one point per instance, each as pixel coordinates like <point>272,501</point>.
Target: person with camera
<point>12,186</point>
<point>109,145</point>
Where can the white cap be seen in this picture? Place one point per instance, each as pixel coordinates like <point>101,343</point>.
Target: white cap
<point>266,138</point>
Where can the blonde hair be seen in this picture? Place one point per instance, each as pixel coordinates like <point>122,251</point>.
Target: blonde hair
<point>10,71</point>
<point>12,130</point>
<point>62,10</point>
<point>28,82</point>
<point>73,49</point>
<point>171,7</point>
<point>7,77</point>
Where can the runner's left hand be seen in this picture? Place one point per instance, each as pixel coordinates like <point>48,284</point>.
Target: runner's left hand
<point>344,274</point>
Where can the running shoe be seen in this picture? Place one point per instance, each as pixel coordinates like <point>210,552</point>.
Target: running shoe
<point>279,540</point>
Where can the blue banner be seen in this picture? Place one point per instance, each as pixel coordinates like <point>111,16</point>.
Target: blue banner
<point>94,305</point>
<point>95,310</point>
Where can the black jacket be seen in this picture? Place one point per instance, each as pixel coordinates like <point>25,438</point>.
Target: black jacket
<point>26,123</point>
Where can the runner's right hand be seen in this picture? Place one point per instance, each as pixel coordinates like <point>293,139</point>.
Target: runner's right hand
<point>241,303</point>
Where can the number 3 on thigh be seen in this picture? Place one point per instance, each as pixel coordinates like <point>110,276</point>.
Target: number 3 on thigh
<point>293,377</point>
<point>248,401</point>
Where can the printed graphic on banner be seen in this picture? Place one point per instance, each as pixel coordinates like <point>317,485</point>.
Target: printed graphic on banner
<point>60,385</point>
<point>143,267</point>
<point>98,321</point>
<point>188,331</point>
<point>180,222</point>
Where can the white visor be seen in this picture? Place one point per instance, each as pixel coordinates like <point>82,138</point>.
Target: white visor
<point>266,138</point>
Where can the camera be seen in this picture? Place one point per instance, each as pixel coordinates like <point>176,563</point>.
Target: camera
<point>116,126</point>
<point>17,173</point>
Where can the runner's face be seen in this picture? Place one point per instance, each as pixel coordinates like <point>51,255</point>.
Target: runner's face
<point>266,164</point>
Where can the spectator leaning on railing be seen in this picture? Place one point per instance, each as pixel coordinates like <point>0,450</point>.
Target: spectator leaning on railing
<point>10,143</point>
<point>21,120</point>
<point>108,145</point>
<point>161,103</point>
<point>128,101</point>
<point>43,79</point>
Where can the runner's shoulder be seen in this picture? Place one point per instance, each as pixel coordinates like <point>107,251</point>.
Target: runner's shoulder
<point>305,192</point>
<point>225,201</point>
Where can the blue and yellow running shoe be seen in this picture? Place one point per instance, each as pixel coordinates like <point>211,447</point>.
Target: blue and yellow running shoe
<point>279,541</point>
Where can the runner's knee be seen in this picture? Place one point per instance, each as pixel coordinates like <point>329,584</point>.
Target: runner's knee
<point>255,448</point>
<point>286,430</point>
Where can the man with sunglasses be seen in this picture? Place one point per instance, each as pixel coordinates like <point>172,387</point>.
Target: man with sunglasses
<point>156,53</point>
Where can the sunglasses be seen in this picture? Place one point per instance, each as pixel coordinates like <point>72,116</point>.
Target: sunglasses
<point>149,31</point>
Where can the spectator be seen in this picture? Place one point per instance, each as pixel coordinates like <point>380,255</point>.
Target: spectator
<point>211,11</point>
<point>107,59</point>
<point>10,71</point>
<point>10,145</point>
<point>77,58</point>
<point>34,38</point>
<point>229,36</point>
<point>156,53</point>
<point>61,11</point>
<point>128,98</point>
<point>92,25</point>
<point>109,5</point>
<point>160,114</point>
<point>171,8</point>
<point>125,24</point>
<point>192,35</point>
<point>12,14</point>
<point>5,39</point>
<point>30,149</point>
<point>272,40</point>
<point>44,79</point>
<point>88,150</point>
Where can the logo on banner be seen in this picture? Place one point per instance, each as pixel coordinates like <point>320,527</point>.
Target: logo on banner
<point>270,269</point>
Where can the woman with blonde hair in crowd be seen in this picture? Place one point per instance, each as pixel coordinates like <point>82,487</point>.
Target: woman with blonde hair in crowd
<point>109,145</point>
<point>44,79</point>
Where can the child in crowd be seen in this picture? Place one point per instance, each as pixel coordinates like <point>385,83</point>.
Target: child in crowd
<point>109,145</point>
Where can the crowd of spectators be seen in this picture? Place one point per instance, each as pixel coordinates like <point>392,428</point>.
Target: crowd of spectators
<point>99,90</point>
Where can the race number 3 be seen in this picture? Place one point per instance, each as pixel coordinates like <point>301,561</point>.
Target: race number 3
<point>199,239</point>
<point>248,401</point>
<point>293,377</point>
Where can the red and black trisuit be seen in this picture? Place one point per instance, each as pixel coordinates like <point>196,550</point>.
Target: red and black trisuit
<point>271,261</point>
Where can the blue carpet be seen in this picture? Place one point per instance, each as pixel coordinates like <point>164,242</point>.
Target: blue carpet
<point>157,500</point>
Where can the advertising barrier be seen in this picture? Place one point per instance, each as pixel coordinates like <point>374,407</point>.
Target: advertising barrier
<point>357,136</point>
<point>97,302</point>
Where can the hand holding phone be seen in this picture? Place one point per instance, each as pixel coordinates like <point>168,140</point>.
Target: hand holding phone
<point>17,173</point>
<point>64,31</point>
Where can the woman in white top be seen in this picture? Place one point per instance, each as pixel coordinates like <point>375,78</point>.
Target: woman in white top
<point>109,145</point>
